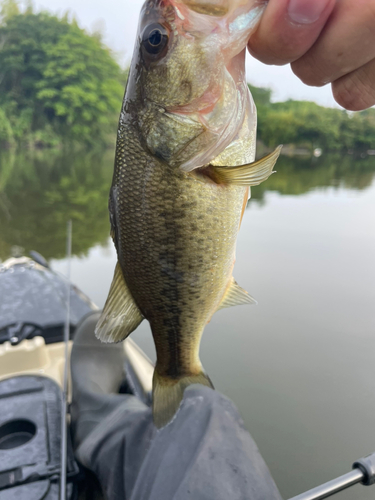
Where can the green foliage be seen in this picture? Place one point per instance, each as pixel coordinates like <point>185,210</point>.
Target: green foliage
<point>60,85</point>
<point>307,124</point>
<point>261,96</point>
<point>8,9</point>
<point>54,77</point>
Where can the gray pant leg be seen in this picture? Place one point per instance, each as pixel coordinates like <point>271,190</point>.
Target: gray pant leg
<point>205,453</point>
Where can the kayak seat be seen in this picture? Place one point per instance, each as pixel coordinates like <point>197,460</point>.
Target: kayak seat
<point>30,437</point>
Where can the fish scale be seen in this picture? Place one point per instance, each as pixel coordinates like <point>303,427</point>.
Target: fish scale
<point>163,265</point>
<point>183,169</point>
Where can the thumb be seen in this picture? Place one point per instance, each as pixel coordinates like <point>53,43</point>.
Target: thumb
<point>288,28</point>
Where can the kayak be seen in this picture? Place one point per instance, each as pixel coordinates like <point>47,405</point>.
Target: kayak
<point>32,359</point>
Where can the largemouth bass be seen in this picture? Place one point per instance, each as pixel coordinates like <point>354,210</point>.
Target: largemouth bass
<point>184,163</point>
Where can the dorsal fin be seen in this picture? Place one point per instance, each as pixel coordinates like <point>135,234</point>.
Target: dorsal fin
<point>251,174</point>
<point>120,315</point>
<point>236,296</point>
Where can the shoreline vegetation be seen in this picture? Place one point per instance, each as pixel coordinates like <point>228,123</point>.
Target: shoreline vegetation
<point>59,86</point>
<point>62,88</point>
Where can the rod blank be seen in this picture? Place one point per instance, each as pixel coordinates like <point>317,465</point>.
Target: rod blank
<point>363,472</point>
<point>63,452</point>
<point>327,489</point>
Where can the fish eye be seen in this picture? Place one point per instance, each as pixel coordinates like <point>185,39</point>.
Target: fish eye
<point>154,39</point>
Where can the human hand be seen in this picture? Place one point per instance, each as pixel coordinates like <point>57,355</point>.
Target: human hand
<point>326,41</point>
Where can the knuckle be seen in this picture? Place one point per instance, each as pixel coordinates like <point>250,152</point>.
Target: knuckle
<point>351,94</point>
<point>267,52</point>
<point>276,46</point>
<point>306,71</point>
<point>343,97</point>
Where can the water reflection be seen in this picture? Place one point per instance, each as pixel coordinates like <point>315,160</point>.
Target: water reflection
<point>300,366</point>
<point>40,192</point>
<point>299,175</point>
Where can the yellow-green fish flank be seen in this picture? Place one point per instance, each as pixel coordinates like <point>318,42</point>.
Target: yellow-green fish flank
<point>184,164</point>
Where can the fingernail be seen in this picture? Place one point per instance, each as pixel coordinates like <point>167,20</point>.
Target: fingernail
<point>306,11</point>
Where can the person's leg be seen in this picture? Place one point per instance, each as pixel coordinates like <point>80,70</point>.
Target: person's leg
<point>205,453</point>
<point>97,371</point>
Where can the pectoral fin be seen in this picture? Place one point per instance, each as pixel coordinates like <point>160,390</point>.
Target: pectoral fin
<point>236,296</point>
<point>247,175</point>
<point>120,315</point>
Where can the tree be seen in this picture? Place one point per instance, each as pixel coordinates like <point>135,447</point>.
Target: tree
<point>8,9</point>
<point>56,77</point>
<point>261,96</point>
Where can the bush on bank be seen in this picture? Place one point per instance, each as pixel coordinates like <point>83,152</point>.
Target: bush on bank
<point>57,82</point>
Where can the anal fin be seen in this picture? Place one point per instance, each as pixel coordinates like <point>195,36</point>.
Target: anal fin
<point>120,315</point>
<point>236,296</point>
<point>251,174</point>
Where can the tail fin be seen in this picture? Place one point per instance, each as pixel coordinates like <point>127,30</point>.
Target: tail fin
<point>168,394</point>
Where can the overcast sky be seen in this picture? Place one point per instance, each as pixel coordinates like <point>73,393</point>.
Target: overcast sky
<point>118,19</point>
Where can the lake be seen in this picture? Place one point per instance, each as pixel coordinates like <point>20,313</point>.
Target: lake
<point>300,366</point>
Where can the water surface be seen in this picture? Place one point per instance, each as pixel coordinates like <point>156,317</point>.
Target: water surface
<point>300,366</point>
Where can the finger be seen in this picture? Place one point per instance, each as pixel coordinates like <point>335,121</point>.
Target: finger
<point>288,29</point>
<point>346,43</point>
<point>356,91</point>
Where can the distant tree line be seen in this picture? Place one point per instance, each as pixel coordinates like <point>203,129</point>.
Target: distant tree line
<point>307,124</point>
<point>59,84</point>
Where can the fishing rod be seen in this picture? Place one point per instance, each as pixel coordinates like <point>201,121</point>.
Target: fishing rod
<point>363,472</point>
<point>64,435</point>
